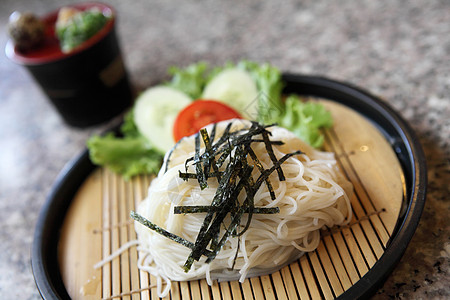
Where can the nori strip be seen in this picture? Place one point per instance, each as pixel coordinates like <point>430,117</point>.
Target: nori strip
<point>266,173</point>
<point>261,169</point>
<point>201,177</point>
<point>186,176</point>
<point>215,225</point>
<point>236,254</point>
<point>278,143</point>
<point>229,173</point>
<point>272,155</point>
<point>161,230</point>
<point>231,228</point>
<point>223,157</point>
<point>224,136</point>
<point>212,136</point>
<point>210,160</point>
<point>193,209</point>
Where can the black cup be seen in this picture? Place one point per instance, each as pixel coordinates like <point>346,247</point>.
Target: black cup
<point>87,86</point>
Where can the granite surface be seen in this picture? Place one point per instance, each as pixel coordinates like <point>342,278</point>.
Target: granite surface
<point>397,50</point>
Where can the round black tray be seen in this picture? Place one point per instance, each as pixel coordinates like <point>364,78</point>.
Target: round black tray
<point>398,133</point>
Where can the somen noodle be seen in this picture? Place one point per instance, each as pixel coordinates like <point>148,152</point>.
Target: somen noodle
<point>312,195</point>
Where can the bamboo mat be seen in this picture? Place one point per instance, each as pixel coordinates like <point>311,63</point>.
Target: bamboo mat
<point>98,223</point>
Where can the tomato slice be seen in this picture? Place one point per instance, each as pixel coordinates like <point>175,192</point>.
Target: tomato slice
<point>200,113</point>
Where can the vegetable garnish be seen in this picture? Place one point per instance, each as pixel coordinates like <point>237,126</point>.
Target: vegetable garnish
<point>151,131</point>
<point>161,230</point>
<point>190,80</point>
<point>234,177</point>
<point>305,119</point>
<point>200,113</point>
<point>73,27</point>
<point>129,154</point>
<point>155,111</point>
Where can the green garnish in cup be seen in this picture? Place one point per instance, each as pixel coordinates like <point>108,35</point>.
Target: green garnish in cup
<point>73,26</point>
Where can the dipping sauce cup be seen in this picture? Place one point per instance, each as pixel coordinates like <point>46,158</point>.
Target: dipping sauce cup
<point>88,85</point>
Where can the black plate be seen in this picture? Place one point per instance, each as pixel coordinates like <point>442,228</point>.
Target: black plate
<point>398,133</point>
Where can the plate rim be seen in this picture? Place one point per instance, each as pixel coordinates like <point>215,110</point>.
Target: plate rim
<point>406,145</point>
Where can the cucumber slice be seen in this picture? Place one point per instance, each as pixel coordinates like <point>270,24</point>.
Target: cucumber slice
<point>155,112</point>
<point>236,88</point>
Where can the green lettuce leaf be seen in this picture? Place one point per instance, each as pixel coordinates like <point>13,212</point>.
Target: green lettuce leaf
<point>128,156</point>
<point>305,119</point>
<point>190,80</point>
<point>129,128</point>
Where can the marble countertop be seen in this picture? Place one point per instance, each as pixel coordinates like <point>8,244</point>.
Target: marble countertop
<point>397,50</point>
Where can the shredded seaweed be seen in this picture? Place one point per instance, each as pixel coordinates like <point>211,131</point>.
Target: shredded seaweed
<point>194,209</point>
<point>266,140</point>
<point>201,176</point>
<point>231,160</point>
<point>186,176</point>
<point>161,230</point>
<point>261,169</point>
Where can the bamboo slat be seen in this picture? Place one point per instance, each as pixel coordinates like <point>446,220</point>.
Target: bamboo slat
<point>98,224</point>
<point>299,282</point>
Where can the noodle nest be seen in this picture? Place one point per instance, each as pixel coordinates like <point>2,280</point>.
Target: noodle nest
<point>314,195</point>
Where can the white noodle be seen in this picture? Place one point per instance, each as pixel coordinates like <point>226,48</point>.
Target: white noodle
<point>313,195</point>
<point>116,253</point>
